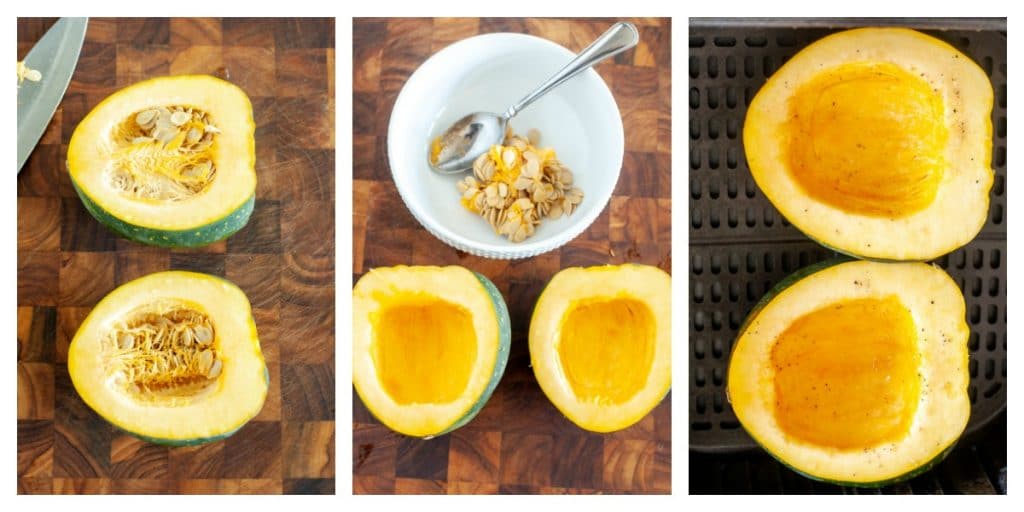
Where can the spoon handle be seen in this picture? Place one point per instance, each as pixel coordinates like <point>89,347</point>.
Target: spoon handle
<point>621,37</point>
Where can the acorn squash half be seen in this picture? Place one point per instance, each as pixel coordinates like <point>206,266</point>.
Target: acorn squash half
<point>855,372</point>
<point>601,343</point>
<point>876,142</point>
<point>172,357</point>
<point>429,345</point>
<point>169,161</point>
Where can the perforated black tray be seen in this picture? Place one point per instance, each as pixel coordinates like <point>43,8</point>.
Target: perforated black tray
<point>740,246</point>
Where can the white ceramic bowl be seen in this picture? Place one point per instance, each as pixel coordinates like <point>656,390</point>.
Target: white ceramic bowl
<point>579,120</point>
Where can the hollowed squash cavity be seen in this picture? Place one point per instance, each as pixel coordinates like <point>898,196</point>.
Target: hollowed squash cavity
<point>425,348</point>
<point>867,138</point>
<point>606,347</point>
<point>832,394</point>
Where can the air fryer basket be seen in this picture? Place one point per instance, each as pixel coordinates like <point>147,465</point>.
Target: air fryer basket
<point>740,246</point>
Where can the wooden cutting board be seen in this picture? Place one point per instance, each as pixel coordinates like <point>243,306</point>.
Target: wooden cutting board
<point>519,443</point>
<point>283,259</point>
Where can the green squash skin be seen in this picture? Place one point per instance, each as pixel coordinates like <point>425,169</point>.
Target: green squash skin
<point>196,237</point>
<point>790,280</point>
<point>504,345</point>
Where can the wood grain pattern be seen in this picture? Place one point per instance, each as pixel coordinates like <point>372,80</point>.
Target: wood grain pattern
<point>519,443</point>
<point>283,259</point>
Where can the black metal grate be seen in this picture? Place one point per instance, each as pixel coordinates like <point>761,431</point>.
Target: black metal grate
<point>740,246</point>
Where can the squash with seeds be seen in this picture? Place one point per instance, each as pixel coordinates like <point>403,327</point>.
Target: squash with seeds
<point>168,161</point>
<point>601,343</point>
<point>877,143</point>
<point>855,372</point>
<point>172,357</point>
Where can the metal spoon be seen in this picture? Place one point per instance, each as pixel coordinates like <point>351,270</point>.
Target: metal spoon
<point>473,135</point>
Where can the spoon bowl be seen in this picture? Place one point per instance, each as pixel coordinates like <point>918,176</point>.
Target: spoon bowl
<point>471,136</point>
<point>454,151</point>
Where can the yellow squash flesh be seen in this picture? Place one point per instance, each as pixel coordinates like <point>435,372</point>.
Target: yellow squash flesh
<point>876,142</point>
<point>121,378</point>
<point>429,345</point>
<point>600,343</point>
<point>139,187</point>
<point>856,372</point>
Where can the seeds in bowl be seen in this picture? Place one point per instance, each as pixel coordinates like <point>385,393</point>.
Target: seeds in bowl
<point>516,185</point>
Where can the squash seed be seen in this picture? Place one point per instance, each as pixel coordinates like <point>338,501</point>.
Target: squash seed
<point>205,361</point>
<point>145,117</point>
<point>532,185</point>
<point>203,335</point>
<point>164,134</point>
<point>125,341</point>
<point>176,141</point>
<point>179,118</point>
<point>163,350</point>
<point>533,136</point>
<point>509,157</point>
<point>214,370</point>
<point>26,73</point>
